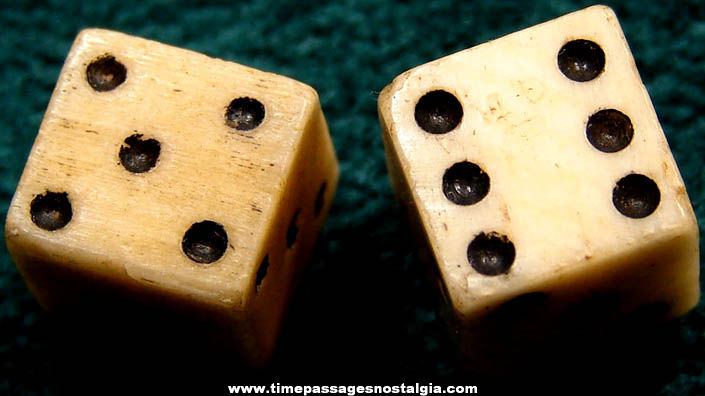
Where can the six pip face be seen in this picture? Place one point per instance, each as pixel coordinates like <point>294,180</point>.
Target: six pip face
<point>536,166</point>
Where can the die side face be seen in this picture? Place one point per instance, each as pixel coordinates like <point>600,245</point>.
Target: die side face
<point>191,213</point>
<point>516,196</point>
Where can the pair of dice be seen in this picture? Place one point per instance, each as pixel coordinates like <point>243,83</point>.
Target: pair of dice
<point>533,165</point>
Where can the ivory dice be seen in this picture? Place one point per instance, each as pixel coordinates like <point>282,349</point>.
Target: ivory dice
<point>539,177</point>
<point>184,179</point>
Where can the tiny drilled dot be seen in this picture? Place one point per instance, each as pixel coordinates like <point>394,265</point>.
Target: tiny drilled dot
<point>491,254</point>
<point>205,242</point>
<point>293,231</point>
<point>318,204</point>
<point>438,112</point>
<point>581,60</point>
<point>636,196</point>
<point>262,271</point>
<point>244,114</point>
<point>105,73</point>
<point>465,183</point>
<point>51,211</point>
<point>139,155</point>
<point>609,130</point>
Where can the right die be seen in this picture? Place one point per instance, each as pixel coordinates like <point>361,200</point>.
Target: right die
<point>537,173</point>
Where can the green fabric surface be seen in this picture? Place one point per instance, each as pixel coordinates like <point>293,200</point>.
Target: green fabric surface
<point>364,311</point>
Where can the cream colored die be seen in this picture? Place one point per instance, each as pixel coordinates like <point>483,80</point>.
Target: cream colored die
<point>166,173</point>
<point>539,175</point>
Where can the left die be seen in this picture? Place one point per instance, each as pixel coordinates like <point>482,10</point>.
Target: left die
<point>162,173</point>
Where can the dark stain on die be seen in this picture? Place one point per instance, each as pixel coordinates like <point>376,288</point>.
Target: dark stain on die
<point>255,208</point>
<point>66,123</point>
<point>680,192</point>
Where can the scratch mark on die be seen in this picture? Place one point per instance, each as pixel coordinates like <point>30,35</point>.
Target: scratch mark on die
<point>246,166</point>
<point>442,145</point>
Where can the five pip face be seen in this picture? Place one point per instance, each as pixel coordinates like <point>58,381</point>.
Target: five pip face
<point>534,166</point>
<point>159,170</point>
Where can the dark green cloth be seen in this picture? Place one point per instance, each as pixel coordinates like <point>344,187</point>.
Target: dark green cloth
<point>364,311</point>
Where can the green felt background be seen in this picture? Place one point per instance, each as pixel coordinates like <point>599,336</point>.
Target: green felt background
<point>364,309</point>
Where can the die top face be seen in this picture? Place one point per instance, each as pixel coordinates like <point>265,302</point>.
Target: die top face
<point>227,135</point>
<point>510,158</point>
